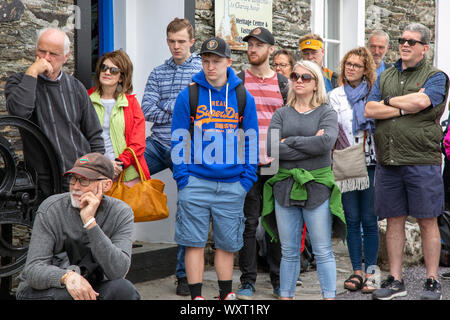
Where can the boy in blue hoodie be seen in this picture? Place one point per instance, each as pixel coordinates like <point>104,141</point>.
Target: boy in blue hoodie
<point>215,169</point>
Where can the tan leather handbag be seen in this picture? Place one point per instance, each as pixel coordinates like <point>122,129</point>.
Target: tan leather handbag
<point>146,198</point>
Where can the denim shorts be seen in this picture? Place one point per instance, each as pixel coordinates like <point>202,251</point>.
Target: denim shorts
<point>417,191</point>
<point>202,201</point>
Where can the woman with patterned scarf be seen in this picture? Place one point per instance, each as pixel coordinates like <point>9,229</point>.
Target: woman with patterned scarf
<point>357,75</point>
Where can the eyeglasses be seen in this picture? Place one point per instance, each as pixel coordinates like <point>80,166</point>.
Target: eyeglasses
<point>306,78</point>
<point>83,181</point>
<point>280,65</point>
<point>411,42</point>
<point>350,65</point>
<point>113,70</point>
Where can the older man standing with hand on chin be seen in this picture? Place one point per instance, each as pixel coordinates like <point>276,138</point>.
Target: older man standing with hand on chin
<point>55,101</point>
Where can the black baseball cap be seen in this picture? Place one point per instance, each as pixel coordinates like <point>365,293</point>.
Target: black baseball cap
<point>217,46</point>
<point>262,34</point>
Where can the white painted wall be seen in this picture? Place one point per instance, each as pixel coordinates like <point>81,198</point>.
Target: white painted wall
<point>442,49</point>
<point>140,30</point>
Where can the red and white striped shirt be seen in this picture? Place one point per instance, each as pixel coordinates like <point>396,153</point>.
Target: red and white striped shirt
<point>267,99</point>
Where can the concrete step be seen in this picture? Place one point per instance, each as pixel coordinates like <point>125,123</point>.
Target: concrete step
<point>151,261</point>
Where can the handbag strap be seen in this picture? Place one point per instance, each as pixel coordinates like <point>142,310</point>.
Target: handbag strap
<point>141,172</point>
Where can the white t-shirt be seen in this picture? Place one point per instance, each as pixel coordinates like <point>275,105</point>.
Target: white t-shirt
<point>109,105</point>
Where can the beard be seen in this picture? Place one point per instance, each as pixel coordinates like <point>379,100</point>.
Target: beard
<point>257,61</point>
<point>75,202</point>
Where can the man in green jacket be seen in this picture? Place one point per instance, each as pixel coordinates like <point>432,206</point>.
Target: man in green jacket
<point>407,102</point>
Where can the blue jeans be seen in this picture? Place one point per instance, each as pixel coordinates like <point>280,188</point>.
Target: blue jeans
<point>158,158</point>
<point>290,226</point>
<point>180,269</point>
<point>359,211</point>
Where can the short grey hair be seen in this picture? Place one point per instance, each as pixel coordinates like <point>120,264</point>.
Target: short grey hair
<point>66,38</point>
<point>425,34</point>
<point>380,33</point>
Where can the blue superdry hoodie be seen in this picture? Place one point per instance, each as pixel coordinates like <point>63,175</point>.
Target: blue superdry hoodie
<point>213,150</point>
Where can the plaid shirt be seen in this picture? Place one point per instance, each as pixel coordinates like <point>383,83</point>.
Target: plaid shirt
<point>163,86</point>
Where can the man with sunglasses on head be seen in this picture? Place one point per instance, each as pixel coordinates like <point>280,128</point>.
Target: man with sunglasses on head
<point>56,102</point>
<point>163,86</point>
<point>407,102</point>
<point>311,49</point>
<point>270,92</point>
<point>80,247</point>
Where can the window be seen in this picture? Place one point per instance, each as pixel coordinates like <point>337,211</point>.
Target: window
<point>332,34</point>
<point>327,20</point>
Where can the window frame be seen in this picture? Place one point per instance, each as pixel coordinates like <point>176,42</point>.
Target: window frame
<point>348,38</point>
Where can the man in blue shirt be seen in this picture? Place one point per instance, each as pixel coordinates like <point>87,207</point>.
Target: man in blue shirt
<point>406,102</point>
<point>163,86</point>
<point>378,45</point>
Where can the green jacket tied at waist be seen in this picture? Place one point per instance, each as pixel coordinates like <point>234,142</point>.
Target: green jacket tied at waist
<point>298,192</point>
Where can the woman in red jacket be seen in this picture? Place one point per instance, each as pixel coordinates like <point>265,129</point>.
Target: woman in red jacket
<point>120,114</point>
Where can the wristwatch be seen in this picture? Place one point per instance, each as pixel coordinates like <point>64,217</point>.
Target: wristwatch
<point>386,100</point>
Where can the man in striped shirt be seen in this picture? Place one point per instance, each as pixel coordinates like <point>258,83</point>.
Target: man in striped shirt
<point>270,91</point>
<point>163,86</point>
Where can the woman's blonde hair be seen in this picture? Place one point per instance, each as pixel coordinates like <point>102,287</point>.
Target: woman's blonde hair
<point>320,95</point>
<point>368,62</point>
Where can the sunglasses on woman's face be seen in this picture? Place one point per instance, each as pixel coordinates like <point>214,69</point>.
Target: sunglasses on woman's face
<point>113,70</point>
<point>306,78</point>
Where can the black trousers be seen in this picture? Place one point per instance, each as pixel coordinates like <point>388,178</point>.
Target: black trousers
<point>120,289</point>
<point>248,254</point>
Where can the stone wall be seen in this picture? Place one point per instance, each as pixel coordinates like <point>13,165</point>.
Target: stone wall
<point>394,16</point>
<point>291,20</point>
<point>19,21</point>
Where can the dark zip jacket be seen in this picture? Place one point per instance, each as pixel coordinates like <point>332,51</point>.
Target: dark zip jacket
<point>63,111</point>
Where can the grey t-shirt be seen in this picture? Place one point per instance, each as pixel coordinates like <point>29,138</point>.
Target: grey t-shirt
<point>302,149</point>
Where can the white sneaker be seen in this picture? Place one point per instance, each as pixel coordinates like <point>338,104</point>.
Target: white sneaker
<point>230,296</point>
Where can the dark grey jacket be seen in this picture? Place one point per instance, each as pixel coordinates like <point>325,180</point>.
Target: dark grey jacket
<point>62,109</point>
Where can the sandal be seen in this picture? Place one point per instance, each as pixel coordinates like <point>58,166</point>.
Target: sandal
<point>369,285</point>
<point>358,282</point>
